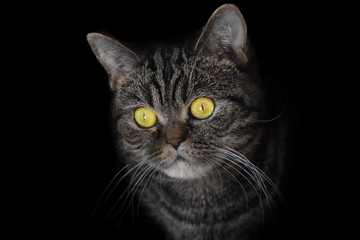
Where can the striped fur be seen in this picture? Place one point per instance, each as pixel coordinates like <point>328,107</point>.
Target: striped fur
<point>222,179</point>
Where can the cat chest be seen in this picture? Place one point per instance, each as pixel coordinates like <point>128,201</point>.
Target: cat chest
<point>194,207</point>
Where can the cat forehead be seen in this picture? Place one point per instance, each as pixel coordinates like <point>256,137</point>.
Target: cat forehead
<point>169,70</point>
<point>169,57</point>
<point>176,76</point>
<point>167,61</point>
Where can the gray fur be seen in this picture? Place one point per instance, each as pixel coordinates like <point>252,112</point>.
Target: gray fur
<point>230,163</point>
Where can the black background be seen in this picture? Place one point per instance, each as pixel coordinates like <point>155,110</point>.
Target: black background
<point>68,156</point>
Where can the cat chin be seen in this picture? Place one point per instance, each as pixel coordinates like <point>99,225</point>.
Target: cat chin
<point>182,169</point>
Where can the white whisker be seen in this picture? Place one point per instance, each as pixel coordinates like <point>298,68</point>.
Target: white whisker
<point>262,175</point>
<point>131,189</point>
<point>107,187</point>
<point>232,175</point>
<point>214,179</point>
<point>253,174</point>
<point>242,166</point>
<point>258,193</point>
<point>118,182</point>
<point>138,166</point>
<point>152,173</point>
<point>276,117</point>
<point>140,178</point>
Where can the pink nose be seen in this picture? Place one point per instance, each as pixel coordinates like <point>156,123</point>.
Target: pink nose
<point>175,142</point>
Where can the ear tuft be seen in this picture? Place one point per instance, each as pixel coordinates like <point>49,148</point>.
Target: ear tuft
<point>225,34</point>
<point>117,60</point>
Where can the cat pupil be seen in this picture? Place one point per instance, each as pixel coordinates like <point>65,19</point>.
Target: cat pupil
<point>144,116</point>
<point>202,107</point>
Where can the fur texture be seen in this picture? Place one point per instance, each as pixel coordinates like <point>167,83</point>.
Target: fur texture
<point>221,177</point>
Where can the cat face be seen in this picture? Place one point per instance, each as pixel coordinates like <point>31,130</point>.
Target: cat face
<point>177,107</point>
<point>179,141</point>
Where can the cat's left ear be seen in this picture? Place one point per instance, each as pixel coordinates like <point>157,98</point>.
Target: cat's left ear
<point>117,60</point>
<point>225,35</point>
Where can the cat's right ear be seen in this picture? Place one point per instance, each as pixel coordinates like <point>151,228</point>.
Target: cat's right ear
<point>225,35</point>
<point>117,60</point>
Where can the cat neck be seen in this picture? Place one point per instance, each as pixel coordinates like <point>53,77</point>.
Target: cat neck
<point>206,195</point>
<point>213,201</point>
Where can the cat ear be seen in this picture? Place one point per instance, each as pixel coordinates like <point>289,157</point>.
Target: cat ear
<point>117,60</point>
<point>225,34</point>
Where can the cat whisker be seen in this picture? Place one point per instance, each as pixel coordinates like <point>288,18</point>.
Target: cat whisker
<point>252,177</point>
<point>137,167</point>
<point>137,180</point>
<point>129,190</point>
<point>263,174</point>
<point>258,173</point>
<point>259,190</point>
<point>150,178</point>
<point>255,177</point>
<point>108,186</point>
<point>229,163</point>
<point>133,191</point>
<point>214,179</point>
<point>140,180</point>
<point>123,177</point>
<point>276,117</point>
<point>242,166</point>
<point>215,161</point>
<point>160,181</point>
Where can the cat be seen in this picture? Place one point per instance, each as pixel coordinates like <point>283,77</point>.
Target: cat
<point>191,126</point>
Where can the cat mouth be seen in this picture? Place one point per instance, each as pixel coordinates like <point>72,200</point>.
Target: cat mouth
<point>179,158</point>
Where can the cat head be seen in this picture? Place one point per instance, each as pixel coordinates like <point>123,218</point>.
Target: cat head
<point>176,106</point>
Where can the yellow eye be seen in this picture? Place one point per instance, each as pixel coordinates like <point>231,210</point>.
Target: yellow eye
<point>145,117</point>
<point>202,108</point>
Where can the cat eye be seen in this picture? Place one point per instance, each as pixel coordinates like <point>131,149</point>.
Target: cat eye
<point>145,117</point>
<point>202,108</point>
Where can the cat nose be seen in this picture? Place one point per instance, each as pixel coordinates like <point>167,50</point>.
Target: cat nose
<point>175,142</point>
